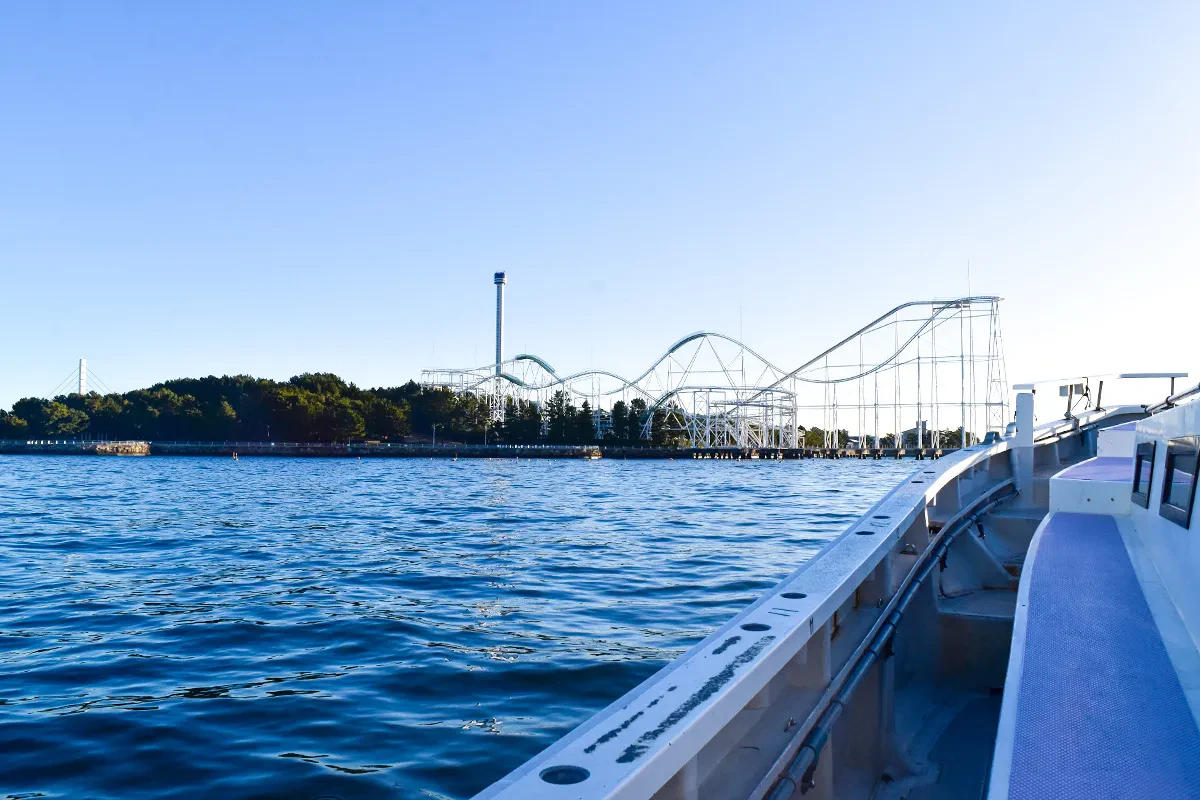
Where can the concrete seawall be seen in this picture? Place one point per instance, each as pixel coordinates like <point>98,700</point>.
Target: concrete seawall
<point>330,450</point>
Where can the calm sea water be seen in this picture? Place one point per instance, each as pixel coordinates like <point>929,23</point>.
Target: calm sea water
<point>359,629</point>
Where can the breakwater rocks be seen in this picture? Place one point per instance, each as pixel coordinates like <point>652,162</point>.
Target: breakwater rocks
<point>376,450</point>
<point>73,448</point>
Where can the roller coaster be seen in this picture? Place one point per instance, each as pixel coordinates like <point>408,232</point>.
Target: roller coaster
<point>923,369</point>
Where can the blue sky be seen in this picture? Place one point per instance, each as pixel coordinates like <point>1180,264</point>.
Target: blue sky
<point>271,188</point>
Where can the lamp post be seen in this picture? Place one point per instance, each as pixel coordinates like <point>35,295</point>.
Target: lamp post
<point>435,427</point>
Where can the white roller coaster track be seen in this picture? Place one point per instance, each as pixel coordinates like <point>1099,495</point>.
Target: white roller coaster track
<point>767,401</point>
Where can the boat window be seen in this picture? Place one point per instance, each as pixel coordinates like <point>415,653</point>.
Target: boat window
<point>1143,473</point>
<point>1179,480</point>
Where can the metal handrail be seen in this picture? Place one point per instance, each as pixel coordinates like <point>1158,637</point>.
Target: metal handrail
<point>1032,385</point>
<point>1174,400</point>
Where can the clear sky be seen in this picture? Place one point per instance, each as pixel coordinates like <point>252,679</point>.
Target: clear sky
<point>269,188</point>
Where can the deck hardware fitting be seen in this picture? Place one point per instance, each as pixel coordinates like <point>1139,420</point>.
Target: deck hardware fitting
<point>565,775</point>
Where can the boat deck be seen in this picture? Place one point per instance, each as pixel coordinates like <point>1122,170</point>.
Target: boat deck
<point>1093,706</point>
<point>963,753</point>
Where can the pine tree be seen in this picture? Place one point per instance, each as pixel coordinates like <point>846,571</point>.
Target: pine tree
<point>585,428</point>
<point>510,428</point>
<point>620,421</point>
<point>637,410</point>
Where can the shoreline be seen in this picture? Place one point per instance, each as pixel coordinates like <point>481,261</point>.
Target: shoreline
<point>452,451</point>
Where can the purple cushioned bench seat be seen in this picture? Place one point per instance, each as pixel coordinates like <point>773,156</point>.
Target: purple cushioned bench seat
<point>1100,711</point>
<point>1105,468</point>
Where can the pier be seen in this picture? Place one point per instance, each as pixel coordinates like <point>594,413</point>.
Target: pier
<point>795,453</point>
<point>449,450</point>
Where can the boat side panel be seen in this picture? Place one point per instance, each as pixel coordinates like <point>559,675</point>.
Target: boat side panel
<point>1175,550</point>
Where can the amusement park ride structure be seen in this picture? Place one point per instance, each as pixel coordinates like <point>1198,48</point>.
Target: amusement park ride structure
<point>925,367</point>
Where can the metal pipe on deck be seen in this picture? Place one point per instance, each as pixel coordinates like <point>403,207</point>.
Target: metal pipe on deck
<point>804,763</point>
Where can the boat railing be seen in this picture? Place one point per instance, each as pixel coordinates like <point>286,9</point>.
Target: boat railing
<point>1187,395</point>
<point>1079,388</point>
<point>758,687</point>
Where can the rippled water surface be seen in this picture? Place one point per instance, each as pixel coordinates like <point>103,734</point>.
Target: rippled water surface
<point>177,627</point>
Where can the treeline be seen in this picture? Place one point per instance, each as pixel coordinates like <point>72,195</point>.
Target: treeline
<point>321,407</point>
<point>564,423</point>
<point>316,407</point>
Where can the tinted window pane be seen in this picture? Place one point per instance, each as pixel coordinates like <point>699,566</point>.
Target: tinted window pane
<point>1144,468</point>
<point>1181,480</point>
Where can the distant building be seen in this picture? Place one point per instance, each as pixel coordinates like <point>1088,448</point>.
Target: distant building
<point>909,437</point>
<point>602,423</point>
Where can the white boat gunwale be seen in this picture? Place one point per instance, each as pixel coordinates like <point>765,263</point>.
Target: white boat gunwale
<point>829,579</point>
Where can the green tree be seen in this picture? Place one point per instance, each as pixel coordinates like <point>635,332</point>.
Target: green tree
<point>311,407</point>
<point>50,418</point>
<point>32,410</point>
<point>620,421</point>
<point>658,427</point>
<point>510,425</point>
<point>64,421</point>
<point>951,438</point>
<point>105,415</point>
<point>295,414</point>
<point>585,427</point>
<point>12,426</point>
<point>637,416</point>
<point>532,424</point>
<point>559,417</point>
<point>384,419</point>
<point>340,421</point>
<point>221,422</point>
<point>321,383</point>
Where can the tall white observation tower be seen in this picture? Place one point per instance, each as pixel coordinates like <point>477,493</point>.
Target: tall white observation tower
<point>500,280</point>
